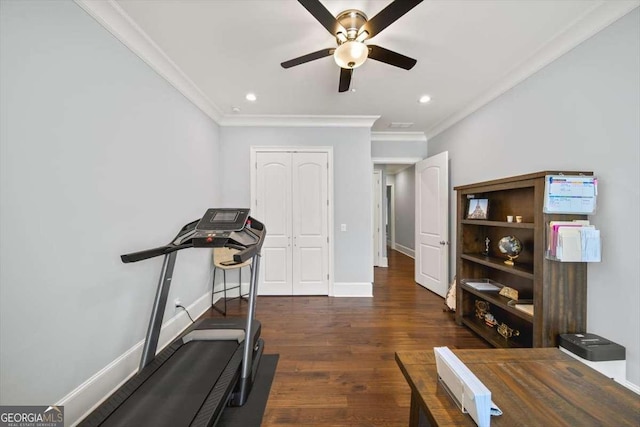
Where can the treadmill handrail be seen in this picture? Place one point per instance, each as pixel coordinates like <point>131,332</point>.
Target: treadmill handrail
<point>163,250</point>
<point>258,230</point>
<point>152,253</point>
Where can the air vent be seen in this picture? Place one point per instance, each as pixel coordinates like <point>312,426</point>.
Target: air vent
<point>400,125</point>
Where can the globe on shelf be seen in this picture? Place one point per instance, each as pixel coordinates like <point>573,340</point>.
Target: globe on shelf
<point>511,247</point>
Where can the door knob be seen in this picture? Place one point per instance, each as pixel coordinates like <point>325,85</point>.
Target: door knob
<point>442,242</point>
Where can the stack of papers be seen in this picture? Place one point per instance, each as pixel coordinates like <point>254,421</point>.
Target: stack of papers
<point>464,387</point>
<point>573,241</point>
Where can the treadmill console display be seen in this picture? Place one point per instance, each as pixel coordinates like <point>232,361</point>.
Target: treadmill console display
<point>216,226</point>
<point>225,216</point>
<point>223,220</point>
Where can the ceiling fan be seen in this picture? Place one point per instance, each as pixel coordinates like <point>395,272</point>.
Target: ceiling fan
<point>351,28</point>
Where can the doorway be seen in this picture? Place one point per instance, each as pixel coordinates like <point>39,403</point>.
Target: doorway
<point>387,237</point>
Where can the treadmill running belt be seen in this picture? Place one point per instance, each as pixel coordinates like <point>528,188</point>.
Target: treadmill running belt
<point>174,394</point>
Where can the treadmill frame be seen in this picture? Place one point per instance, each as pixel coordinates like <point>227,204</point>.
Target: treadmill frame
<point>246,353</point>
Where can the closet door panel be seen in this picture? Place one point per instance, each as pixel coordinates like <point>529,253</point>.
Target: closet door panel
<point>310,223</point>
<point>273,208</point>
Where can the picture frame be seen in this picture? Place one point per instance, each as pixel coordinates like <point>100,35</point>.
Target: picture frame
<point>478,209</point>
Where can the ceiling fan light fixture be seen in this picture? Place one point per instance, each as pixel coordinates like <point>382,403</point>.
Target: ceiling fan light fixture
<point>351,54</point>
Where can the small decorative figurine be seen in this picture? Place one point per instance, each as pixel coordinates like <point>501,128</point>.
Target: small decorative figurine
<point>489,320</point>
<point>507,332</point>
<point>486,246</point>
<point>482,307</point>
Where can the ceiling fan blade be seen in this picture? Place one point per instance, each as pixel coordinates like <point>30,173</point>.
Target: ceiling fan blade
<point>308,57</point>
<point>390,57</point>
<point>345,79</point>
<point>389,15</point>
<point>323,16</point>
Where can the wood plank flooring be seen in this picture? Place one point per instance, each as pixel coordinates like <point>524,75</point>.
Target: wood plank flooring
<point>337,364</point>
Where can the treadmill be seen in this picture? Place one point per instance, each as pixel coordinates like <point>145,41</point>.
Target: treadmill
<point>215,362</point>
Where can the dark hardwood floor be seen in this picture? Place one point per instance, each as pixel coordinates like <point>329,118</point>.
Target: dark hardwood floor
<point>337,364</point>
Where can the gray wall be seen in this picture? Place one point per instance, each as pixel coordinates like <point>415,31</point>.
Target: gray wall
<point>99,157</point>
<point>405,185</point>
<point>580,112</point>
<point>352,185</point>
<point>384,149</point>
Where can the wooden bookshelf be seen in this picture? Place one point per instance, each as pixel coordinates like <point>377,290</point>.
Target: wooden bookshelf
<point>558,290</point>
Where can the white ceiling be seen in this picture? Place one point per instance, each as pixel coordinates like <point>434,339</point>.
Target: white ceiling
<point>468,53</point>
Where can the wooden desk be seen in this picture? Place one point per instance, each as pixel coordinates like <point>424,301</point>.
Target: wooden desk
<point>533,387</point>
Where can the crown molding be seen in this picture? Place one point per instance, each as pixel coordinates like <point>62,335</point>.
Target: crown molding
<point>111,16</point>
<point>601,15</point>
<point>298,121</point>
<point>399,136</point>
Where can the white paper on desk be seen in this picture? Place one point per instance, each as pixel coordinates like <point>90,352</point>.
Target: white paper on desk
<point>591,251</point>
<point>473,396</point>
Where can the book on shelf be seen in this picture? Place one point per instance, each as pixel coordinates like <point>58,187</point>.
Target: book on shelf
<point>525,305</point>
<point>527,308</point>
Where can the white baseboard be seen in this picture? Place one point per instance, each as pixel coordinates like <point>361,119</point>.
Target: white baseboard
<point>631,386</point>
<point>89,395</point>
<point>384,262</point>
<point>352,289</point>
<point>405,250</point>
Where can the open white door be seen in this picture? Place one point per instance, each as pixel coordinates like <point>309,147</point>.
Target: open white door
<point>432,223</point>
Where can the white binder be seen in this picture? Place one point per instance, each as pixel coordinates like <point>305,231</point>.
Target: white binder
<point>469,393</point>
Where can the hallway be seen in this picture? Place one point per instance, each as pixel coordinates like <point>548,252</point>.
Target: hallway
<point>337,364</point>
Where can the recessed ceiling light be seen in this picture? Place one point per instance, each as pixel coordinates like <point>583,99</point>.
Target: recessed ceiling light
<point>353,89</point>
<point>235,109</point>
<point>424,99</point>
<point>251,97</point>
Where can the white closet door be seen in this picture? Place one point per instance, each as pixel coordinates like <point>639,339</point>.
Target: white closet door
<point>273,209</point>
<point>310,224</point>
